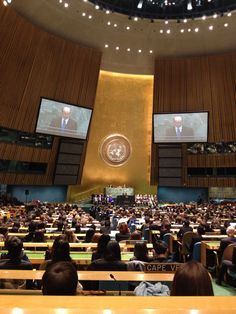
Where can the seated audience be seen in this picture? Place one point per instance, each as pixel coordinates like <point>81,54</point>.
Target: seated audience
<point>71,237</point>
<point>160,252</point>
<point>192,279</point>
<point>186,227</point>
<point>60,278</point>
<point>141,252</point>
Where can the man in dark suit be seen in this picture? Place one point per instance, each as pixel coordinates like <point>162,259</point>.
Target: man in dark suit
<point>230,231</point>
<point>179,131</point>
<point>64,123</point>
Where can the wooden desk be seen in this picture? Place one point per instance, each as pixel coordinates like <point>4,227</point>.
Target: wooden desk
<point>208,245</point>
<point>47,235</point>
<point>91,275</point>
<point>115,305</point>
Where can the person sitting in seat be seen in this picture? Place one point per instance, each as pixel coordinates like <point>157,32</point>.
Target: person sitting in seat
<point>230,231</point>
<point>184,229</point>
<point>13,260</point>
<point>192,279</point>
<point>160,252</point>
<point>60,279</point>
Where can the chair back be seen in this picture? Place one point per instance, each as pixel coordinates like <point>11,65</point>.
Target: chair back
<point>186,241</point>
<point>228,252</point>
<point>166,239</point>
<point>146,234</point>
<point>197,252</point>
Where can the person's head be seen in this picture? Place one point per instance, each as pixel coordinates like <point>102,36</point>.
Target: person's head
<point>60,279</point>
<point>136,235</point>
<point>88,236</point>
<point>39,236</point>
<point>66,112</point>
<point>192,279</point>
<point>160,248</point>
<point>178,121</point>
<point>141,251</point>
<point>230,231</point>
<point>61,249</point>
<point>123,228</point>
<point>112,251</point>
<point>32,226</point>
<point>201,230</point>
<point>102,243</point>
<point>14,246</point>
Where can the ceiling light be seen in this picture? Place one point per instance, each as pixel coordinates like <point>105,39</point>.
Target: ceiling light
<point>189,30</point>
<point>83,14</point>
<point>182,30</point>
<point>5,3</point>
<point>107,12</point>
<point>168,31</point>
<point>115,25</point>
<point>108,23</point>
<point>135,19</point>
<point>97,7</point>
<point>60,1</point>
<point>215,16</point>
<point>185,20</point>
<point>127,27</point>
<point>161,31</point>
<point>117,48</point>
<point>66,5</point>
<point>85,0</point>
<point>203,17</point>
<point>90,16</point>
<point>166,22</point>
<point>211,27</point>
<point>196,29</point>
<point>106,46</point>
<point>226,25</point>
<point>189,5</point>
<point>128,49</point>
<point>229,14</point>
<point>150,51</point>
<point>140,4</point>
<point>139,50</point>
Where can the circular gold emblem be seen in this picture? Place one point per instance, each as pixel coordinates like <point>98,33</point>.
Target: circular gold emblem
<point>115,150</point>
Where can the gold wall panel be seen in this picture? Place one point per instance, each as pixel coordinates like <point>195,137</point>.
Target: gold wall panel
<point>123,105</point>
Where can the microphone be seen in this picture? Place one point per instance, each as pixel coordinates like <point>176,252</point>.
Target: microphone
<point>113,277</point>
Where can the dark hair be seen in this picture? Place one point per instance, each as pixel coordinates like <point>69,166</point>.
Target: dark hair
<point>160,247</point>
<point>14,246</point>
<point>112,251</point>
<point>136,235</point>
<point>61,249</point>
<point>141,251</point>
<point>102,243</point>
<point>60,279</point>
<point>88,236</point>
<point>192,279</point>
<point>123,228</point>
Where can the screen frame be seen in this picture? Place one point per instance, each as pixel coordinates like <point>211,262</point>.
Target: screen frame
<point>179,113</point>
<point>63,103</point>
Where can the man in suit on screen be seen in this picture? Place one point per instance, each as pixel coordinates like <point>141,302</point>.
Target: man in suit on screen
<point>179,131</point>
<point>64,123</point>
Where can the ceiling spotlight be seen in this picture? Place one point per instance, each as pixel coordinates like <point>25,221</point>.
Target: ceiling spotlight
<point>128,28</point>
<point>108,23</point>
<point>215,16</point>
<point>128,49</point>
<point>182,30</point>
<point>97,7</point>
<point>66,5</point>
<point>229,14</point>
<point>5,3</point>
<point>140,4</point>
<point>83,14</point>
<point>107,12</point>
<point>150,51</point>
<point>189,30</point>
<point>90,16</point>
<point>211,27</point>
<point>115,25</point>
<point>139,50</point>
<point>203,17</point>
<point>226,25</point>
<point>106,46</point>
<point>161,31</point>
<point>168,31</point>
<point>117,48</point>
<point>166,22</point>
<point>189,5</point>
<point>60,1</point>
<point>135,18</point>
<point>185,21</point>
<point>196,29</point>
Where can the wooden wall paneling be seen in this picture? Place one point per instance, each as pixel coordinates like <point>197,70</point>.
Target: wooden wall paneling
<point>34,63</point>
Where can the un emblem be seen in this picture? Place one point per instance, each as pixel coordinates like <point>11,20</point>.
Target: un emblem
<point>115,150</point>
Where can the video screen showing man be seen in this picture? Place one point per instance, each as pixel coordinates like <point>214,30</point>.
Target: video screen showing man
<point>65,122</point>
<point>179,130</point>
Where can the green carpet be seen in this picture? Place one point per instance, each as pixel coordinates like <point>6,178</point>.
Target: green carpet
<point>224,290</point>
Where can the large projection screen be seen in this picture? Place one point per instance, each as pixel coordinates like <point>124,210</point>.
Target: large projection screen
<point>180,127</point>
<point>62,119</point>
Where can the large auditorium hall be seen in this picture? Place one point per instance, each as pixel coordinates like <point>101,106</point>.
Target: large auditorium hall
<point>118,156</point>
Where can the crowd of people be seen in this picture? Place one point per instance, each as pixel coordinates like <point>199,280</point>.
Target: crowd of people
<point>129,223</point>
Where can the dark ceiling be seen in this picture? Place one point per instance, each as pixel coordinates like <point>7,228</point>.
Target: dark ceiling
<point>166,9</point>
